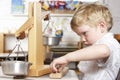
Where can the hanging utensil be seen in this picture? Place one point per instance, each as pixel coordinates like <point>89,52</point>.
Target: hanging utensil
<point>15,68</point>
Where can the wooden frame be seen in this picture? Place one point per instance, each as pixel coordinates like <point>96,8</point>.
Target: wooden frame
<point>36,49</point>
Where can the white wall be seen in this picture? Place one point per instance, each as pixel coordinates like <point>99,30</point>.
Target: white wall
<point>114,6</point>
<point>10,23</point>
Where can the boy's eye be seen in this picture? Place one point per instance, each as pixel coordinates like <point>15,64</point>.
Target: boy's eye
<point>84,33</point>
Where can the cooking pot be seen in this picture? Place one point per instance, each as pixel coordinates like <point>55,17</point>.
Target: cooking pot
<point>51,40</point>
<point>15,68</point>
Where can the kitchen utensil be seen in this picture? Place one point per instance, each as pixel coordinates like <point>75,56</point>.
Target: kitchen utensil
<point>15,68</point>
<point>51,40</point>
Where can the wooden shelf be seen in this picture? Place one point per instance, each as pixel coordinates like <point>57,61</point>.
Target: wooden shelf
<point>64,11</point>
<point>60,13</point>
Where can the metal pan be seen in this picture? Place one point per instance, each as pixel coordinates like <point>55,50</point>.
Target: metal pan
<point>15,68</point>
<point>51,40</point>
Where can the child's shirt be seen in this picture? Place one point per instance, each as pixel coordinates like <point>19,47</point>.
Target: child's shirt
<point>98,69</point>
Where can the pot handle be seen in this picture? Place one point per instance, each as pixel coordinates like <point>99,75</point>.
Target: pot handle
<point>18,48</point>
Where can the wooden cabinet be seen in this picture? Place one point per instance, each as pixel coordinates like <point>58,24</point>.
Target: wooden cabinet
<point>2,42</point>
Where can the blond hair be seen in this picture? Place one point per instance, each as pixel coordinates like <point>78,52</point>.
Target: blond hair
<point>92,14</point>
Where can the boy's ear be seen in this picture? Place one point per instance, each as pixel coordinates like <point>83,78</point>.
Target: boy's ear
<point>102,26</point>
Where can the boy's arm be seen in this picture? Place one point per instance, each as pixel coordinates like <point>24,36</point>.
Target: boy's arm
<point>89,53</point>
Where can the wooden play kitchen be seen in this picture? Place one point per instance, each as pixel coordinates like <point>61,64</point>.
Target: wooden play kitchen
<point>35,41</point>
<point>36,48</point>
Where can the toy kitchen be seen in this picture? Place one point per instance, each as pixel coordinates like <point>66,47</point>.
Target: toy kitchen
<point>46,39</point>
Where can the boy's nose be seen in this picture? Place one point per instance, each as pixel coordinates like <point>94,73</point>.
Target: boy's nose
<point>83,39</point>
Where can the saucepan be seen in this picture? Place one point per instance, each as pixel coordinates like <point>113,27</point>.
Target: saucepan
<point>15,68</point>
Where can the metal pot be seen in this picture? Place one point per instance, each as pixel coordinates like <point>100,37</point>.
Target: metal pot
<point>15,68</point>
<point>51,40</point>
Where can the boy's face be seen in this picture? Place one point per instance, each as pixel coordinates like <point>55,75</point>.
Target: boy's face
<point>89,34</point>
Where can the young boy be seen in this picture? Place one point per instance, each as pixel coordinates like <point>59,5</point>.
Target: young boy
<point>100,60</point>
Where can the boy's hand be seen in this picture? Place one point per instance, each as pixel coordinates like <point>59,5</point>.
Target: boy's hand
<point>58,64</point>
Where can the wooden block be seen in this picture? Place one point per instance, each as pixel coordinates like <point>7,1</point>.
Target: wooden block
<point>59,75</point>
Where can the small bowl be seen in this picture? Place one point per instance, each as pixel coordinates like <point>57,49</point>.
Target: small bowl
<point>51,40</point>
